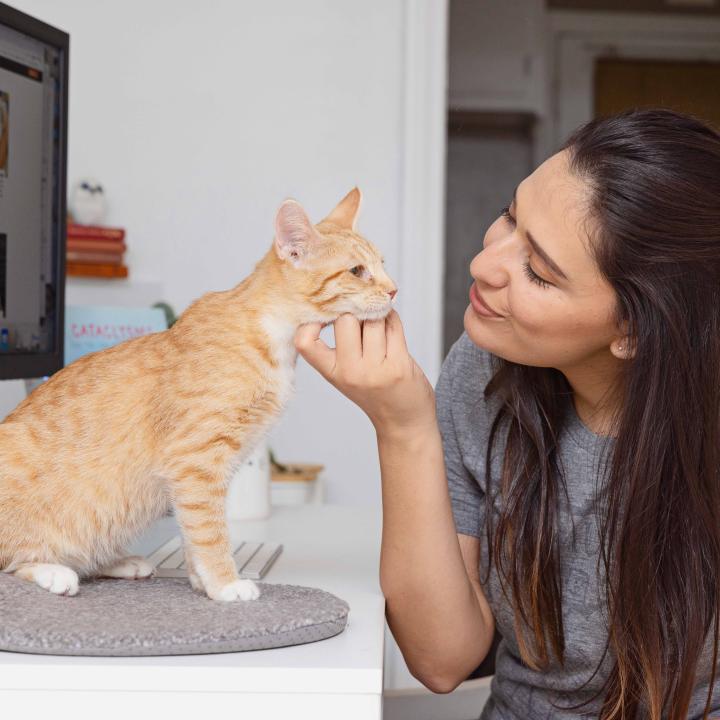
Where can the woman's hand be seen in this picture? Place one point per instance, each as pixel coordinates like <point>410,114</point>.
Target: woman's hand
<point>370,364</point>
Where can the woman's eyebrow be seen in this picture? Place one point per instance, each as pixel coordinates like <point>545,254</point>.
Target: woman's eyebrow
<point>536,247</point>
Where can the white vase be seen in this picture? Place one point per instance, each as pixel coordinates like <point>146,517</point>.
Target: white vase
<point>248,495</point>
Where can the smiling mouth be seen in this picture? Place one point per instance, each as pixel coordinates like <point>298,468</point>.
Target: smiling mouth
<point>479,305</point>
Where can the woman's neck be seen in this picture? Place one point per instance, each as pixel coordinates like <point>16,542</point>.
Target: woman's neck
<point>592,386</point>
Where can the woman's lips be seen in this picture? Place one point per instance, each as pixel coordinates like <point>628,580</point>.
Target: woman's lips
<point>479,305</point>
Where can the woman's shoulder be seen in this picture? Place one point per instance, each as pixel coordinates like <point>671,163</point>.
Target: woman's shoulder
<point>460,390</point>
<point>465,415</point>
<point>468,368</point>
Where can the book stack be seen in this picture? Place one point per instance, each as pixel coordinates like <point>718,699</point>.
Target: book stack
<point>95,251</point>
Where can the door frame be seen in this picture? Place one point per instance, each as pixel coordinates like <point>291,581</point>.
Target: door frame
<point>422,141</point>
<point>423,136</point>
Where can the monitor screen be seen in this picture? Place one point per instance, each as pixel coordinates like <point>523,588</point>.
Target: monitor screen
<point>33,142</point>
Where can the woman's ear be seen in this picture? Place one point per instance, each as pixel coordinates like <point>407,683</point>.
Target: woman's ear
<point>294,233</point>
<point>623,344</point>
<point>622,348</point>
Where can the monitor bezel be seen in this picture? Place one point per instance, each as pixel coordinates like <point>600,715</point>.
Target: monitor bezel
<point>41,364</point>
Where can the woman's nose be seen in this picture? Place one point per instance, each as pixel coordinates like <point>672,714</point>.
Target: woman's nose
<point>490,266</point>
<point>500,248</point>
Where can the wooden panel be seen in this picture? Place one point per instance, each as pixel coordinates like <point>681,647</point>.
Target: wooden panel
<point>703,7</point>
<point>684,86</point>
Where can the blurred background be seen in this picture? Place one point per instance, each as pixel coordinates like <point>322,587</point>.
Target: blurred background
<point>200,118</point>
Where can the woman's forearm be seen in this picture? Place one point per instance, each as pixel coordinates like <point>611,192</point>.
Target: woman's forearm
<point>431,606</point>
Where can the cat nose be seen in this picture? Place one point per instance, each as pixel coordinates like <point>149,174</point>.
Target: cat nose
<point>392,293</point>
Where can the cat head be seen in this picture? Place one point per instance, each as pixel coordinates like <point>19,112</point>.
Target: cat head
<point>330,268</point>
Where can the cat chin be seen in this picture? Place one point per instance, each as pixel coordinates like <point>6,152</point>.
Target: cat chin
<point>378,314</point>
<point>374,314</point>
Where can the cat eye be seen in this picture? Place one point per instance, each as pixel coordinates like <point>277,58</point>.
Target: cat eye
<point>357,270</point>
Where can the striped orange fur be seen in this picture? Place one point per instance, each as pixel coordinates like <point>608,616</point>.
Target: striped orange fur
<point>112,441</point>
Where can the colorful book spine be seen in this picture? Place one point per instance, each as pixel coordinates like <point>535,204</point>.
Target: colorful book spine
<point>94,257</point>
<point>96,270</point>
<point>94,232</point>
<point>111,246</point>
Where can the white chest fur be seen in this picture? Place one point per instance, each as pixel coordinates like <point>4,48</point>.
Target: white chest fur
<point>281,333</point>
<point>281,380</point>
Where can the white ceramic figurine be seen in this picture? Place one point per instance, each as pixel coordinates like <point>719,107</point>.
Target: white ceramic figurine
<point>88,204</point>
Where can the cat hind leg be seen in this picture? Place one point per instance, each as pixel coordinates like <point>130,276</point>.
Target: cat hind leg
<point>58,579</point>
<point>129,568</point>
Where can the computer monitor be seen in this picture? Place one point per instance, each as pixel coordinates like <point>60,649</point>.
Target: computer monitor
<point>33,149</point>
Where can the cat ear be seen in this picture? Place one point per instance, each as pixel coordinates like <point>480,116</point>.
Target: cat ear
<point>346,212</point>
<point>294,233</point>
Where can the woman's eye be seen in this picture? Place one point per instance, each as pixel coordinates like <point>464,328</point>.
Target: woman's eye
<point>357,270</point>
<point>505,212</point>
<point>534,277</point>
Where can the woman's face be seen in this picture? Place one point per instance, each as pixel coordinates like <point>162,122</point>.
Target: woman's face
<point>536,272</point>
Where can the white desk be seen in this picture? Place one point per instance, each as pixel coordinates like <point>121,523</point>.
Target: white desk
<point>331,547</point>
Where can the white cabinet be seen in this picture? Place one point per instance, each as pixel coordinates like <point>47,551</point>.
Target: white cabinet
<point>496,55</point>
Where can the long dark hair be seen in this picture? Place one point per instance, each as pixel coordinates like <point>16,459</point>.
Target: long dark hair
<point>654,181</point>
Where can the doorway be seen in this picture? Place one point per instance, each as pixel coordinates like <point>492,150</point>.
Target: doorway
<point>488,154</point>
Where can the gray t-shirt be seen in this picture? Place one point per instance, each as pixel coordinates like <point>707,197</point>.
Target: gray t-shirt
<point>517,691</point>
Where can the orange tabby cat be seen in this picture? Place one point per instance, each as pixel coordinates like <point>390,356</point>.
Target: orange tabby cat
<point>106,445</point>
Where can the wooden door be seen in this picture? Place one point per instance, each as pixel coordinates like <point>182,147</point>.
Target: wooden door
<point>692,87</point>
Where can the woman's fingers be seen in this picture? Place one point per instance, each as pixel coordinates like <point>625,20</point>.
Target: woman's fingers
<point>395,334</point>
<point>356,344</point>
<point>373,341</point>
<point>314,350</point>
<point>348,340</point>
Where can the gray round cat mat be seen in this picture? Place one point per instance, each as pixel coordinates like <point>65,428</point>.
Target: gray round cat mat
<point>161,616</point>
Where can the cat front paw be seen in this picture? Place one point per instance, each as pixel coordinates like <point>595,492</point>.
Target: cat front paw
<point>236,590</point>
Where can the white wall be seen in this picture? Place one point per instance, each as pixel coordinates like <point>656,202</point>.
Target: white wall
<point>200,118</point>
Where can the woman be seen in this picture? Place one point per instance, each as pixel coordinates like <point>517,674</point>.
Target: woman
<point>577,505</point>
